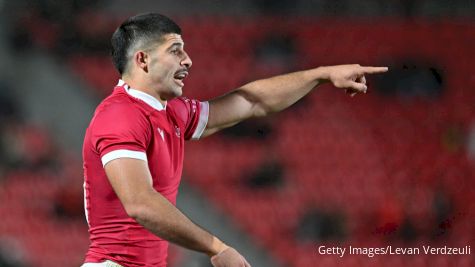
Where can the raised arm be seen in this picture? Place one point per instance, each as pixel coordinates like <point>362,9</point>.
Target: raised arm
<point>132,182</point>
<point>261,97</point>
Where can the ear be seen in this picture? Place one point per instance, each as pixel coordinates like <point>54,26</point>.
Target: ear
<point>141,60</point>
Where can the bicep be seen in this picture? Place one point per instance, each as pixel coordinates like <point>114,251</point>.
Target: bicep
<point>230,109</point>
<point>131,180</point>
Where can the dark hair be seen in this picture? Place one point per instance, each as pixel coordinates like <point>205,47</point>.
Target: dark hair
<point>142,29</point>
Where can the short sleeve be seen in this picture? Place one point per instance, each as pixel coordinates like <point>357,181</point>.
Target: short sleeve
<point>120,130</point>
<point>193,114</point>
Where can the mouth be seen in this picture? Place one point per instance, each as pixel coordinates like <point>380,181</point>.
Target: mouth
<point>180,76</point>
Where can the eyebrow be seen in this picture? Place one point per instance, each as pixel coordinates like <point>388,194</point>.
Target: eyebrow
<point>179,44</point>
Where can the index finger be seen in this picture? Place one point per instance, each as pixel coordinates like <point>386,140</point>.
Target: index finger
<point>372,70</point>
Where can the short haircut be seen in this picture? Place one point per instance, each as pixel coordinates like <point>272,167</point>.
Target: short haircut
<point>139,32</point>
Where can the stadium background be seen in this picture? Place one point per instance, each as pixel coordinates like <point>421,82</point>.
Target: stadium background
<point>393,167</point>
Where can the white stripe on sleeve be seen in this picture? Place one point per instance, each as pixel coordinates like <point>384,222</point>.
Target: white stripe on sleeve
<point>200,128</point>
<point>123,153</point>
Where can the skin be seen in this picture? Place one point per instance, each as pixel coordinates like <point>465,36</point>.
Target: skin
<point>154,71</point>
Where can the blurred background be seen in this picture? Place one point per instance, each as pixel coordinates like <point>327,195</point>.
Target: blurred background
<point>393,167</point>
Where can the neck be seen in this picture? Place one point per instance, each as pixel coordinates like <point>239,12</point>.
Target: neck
<point>143,86</point>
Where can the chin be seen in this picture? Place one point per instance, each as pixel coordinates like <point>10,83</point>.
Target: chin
<point>176,92</point>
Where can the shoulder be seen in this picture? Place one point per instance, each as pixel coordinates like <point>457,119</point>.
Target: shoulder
<point>120,106</point>
<point>181,104</point>
<point>119,111</point>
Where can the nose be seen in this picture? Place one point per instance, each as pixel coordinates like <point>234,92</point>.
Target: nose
<point>186,61</point>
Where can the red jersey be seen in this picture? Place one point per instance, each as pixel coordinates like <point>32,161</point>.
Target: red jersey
<point>132,124</point>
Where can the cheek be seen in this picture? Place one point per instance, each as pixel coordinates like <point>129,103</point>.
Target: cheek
<point>161,69</point>
<point>157,71</point>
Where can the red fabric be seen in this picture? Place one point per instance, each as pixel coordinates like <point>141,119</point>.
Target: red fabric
<point>124,122</point>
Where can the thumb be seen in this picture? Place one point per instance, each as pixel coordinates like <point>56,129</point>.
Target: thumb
<point>358,86</point>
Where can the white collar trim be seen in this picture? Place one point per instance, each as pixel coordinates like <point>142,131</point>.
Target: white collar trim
<point>150,100</point>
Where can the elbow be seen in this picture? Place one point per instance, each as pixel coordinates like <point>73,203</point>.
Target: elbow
<point>136,207</point>
<point>135,211</point>
<point>261,107</point>
<point>137,204</point>
<point>258,113</point>
<point>262,110</point>
<point>258,106</point>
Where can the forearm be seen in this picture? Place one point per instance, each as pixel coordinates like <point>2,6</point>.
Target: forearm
<point>277,93</point>
<point>163,219</point>
<point>132,182</point>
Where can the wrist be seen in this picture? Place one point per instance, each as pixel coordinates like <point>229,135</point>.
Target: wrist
<point>217,246</point>
<point>321,74</point>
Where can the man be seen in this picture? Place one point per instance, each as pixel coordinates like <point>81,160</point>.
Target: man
<point>133,148</point>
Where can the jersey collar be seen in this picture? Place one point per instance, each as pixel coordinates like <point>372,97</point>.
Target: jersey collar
<point>150,100</point>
